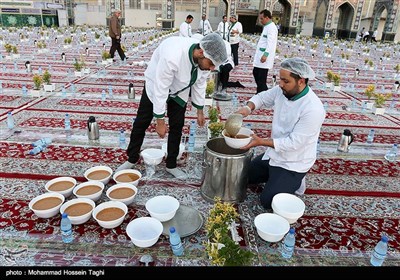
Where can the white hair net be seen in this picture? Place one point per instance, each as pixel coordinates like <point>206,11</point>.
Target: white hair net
<point>214,49</point>
<point>298,66</point>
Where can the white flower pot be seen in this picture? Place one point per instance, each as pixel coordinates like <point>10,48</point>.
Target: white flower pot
<point>86,71</point>
<point>336,88</point>
<point>378,111</point>
<point>36,93</point>
<point>49,88</point>
<point>78,73</point>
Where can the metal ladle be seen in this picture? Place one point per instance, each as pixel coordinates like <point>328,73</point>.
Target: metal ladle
<point>233,124</point>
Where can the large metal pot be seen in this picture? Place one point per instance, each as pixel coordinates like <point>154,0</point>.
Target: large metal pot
<point>225,171</point>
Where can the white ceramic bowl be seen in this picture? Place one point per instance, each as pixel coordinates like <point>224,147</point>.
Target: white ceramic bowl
<point>46,212</point>
<point>288,206</point>
<point>110,205</point>
<point>144,231</point>
<point>164,147</point>
<point>59,185</point>
<point>89,189</point>
<point>75,219</point>
<point>100,173</point>
<point>237,143</point>
<point>162,207</point>
<point>121,194</point>
<point>127,176</point>
<point>152,156</point>
<point>271,227</point>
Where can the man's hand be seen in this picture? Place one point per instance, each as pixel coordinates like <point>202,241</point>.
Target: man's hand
<point>258,141</point>
<point>161,128</point>
<point>263,59</point>
<point>201,120</point>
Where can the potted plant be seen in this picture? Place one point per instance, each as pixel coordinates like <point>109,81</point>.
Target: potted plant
<point>96,36</point>
<point>329,77</point>
<point>215,127</point>
<point>37,83</point>
<point>336,81</point>
<point>210,88</point>
<point>67,42</point>
<point>371,65</point>
<point>223,246</point>
<point>106,57</point>
<point>397,68</point>
<point>380,99</point>
<point>78,65</point>
<point>369,92</point>
<point>47,85</point>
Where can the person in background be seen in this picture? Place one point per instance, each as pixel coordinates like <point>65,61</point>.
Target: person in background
<point>235,29</point>
<point>265,50</point>
<point>185,30</point>
<point>373,38</point>
<point>223,28</point>
<point>114,31</point>
<point>366,36</point>
<point>204,26</point>
<point>178,69</point>
<point>297,119</point>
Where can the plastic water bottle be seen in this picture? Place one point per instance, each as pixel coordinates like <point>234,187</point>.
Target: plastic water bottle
<point>24,91</point>
<point>36,150</point>
<point>191,142</point>
<point>288,244</point>
<point>175,242</point>
<point>42,142</point>
<point>326,105</point>
<point>103,95</point>
<point>370,137</point>
<point>67,122</point>
<point>66,229</point>
<point>10,120</point>
<point>392,153</point>
<point>380,252</point>
<point>64,92</point>
<point>122,141</point>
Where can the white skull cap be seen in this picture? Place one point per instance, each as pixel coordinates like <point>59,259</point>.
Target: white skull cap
<point>214,49</point>
<point>298,66</point>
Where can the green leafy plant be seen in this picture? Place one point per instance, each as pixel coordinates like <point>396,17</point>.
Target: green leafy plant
<point>46,77</point>
<point>68,40</point>
<point>380,99</point>
<point>210,88</point>
<point>223,246</point>
<point>8,48</point>
<point>79,65</point>
<point>14,50</point>
<point>329,75</point>
<point>370,91</point>
<point>336,79</point>
<point>105,55</point>
<point>96,35</point>
<point>37,81</point>
<point>397,68</point>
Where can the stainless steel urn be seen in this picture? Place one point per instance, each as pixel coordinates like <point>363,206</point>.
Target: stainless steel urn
<point>225,171</point>
<point>345,141</point>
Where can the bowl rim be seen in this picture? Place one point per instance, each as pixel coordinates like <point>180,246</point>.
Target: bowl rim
<point>78,200</point>
<point>121,185</point>
<point>59,179</point>
<point>88,183</point>
<point>154,198</point>
<point>93,168</point>
<point>290,215</point>
<point>153,149</point>
<point>109,204</point>
<point>135,171</point>
<point>156,222</point>
<point>44,195</point>
<point>262,215</point>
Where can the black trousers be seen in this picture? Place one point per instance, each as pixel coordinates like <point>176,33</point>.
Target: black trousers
<point>224,75</point>
<point>116,46</point>
<point>276,179</point>
<point>176,119</point>
<point>235,53</point>
<point>260,76</point>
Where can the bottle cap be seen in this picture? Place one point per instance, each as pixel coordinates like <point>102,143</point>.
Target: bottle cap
<point>64,215</point>
<point>172,229</point>
<point>384,238</point>
<point>291,230</point>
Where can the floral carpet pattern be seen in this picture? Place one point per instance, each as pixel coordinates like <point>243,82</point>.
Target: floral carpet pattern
<point>351,198</point>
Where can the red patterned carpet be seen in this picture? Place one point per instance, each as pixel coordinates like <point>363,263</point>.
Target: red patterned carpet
<point>351,198</point>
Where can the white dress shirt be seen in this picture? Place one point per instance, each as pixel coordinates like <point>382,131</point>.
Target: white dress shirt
<point>295,128</point>
<point>205,27</point>
<point>185,30</point>
<point>169,71</point>
<point>223,30</point>
<point>266,45</point>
